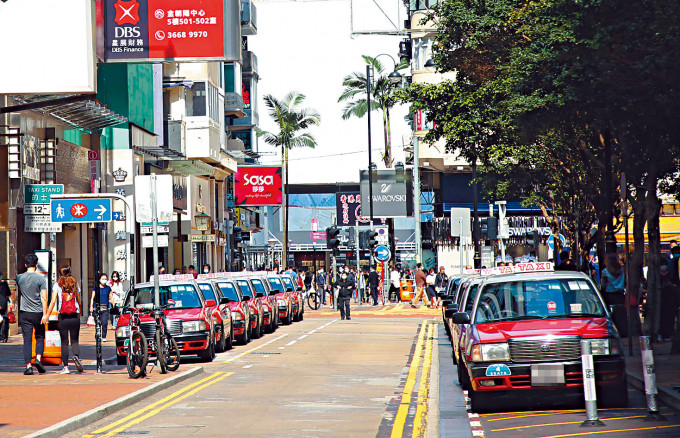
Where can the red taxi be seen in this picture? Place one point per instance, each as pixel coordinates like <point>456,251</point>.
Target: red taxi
<point>189,319</point>
<point>284,300</point>
<point>521,339</point>
<point>268,301</point>
<point>256,313</point>
<point>295,291</point>
<point>240,310</point>
<point>221,313</point>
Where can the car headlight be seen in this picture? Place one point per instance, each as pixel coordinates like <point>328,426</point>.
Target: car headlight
<point>236,316</point>
<point>490,352</point>
<point>123,331</point>
<point>193,326</point>
<point>600,347</point>
<point>282,303</point>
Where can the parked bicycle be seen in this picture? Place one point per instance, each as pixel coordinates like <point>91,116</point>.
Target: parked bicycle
<point>137,353</point>
<point>163,345</point>
<point>313,300</point>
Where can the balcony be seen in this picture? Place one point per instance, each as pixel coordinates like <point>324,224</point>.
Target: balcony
<point>203,139</point>
<point>250,63</point>
<point>248,18</point>
<point>233,105</point>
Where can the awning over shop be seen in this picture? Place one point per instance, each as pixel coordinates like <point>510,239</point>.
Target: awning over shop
<point>146,142</point>
<point>191,167</point>
<point>81,111</point>
<point>669,227</point>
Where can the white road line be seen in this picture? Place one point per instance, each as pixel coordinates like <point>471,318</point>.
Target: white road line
<point>291,342</point>
<point>282,348</point>
<point>231,359</point>
<point>302,337</point>
<point>265,355</point>
<point>247,366</point>
<point>313,331</point>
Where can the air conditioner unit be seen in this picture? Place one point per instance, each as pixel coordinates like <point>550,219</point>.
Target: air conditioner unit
<point>248,18</point>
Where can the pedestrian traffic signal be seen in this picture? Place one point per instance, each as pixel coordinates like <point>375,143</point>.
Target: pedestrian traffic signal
<point>490,227</point>
<point>332,238</point>
<point>372,240</point>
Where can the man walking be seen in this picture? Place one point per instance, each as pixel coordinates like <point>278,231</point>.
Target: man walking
<point>32,296</point>
<point>421,280</point>
<point>395,284</point>
<point>373,282</point>
<point>321,286</point>
<point>344,295</point>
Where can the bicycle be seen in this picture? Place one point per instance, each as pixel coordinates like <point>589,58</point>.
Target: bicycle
<point>313,300</point>
<point>137,353</point>
<point>163,344</point>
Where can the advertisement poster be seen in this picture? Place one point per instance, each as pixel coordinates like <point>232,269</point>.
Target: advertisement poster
<point>258,185</point>
<point>348,209</point>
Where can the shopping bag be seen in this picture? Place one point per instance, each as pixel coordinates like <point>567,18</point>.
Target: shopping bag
<point>90,321</point>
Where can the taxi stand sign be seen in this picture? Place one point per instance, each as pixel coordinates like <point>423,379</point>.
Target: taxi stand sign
<point>519,267</point>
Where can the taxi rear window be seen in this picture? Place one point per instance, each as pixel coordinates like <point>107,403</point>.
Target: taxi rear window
<point>537,299</point>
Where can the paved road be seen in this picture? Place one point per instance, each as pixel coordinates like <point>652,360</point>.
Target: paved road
<point>556,421</point>
<point>319,377</point>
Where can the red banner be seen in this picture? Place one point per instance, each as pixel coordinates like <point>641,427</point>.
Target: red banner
<point>258,185</point>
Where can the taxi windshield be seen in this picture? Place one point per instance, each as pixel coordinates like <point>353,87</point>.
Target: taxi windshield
<point>245,288</point>
<point>537,299</point>
<point>276,284</point>
<point>208,291</point>
<point>229,291</point>
<point>185,296</point>
<point>259,287</point>
<point>289,283</point>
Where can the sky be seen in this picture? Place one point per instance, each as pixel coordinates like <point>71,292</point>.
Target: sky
<point>307,46</point>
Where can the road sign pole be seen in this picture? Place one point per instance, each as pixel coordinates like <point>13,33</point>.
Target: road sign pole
<point>360,293</point>
<point>154,218</point>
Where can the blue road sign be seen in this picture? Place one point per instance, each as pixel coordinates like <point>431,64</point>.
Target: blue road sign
<point>81,210</point>
<point>551,241</point>
<point>382,253</point>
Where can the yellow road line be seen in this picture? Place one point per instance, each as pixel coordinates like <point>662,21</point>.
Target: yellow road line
<point>165,406</point>
<point>424,386</point>
<point>231,359</point>
<point>153,405</point>
<point>593,432</point>
<point>563,423</point>
<point>574,411</point>
<point>402,412</point>
<point>542,413</point>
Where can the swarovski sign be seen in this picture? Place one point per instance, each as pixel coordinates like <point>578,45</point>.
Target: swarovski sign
<point>392,193</point>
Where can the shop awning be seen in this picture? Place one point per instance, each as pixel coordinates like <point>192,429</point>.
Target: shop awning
<point>191,167</point>
<point>81,111</point>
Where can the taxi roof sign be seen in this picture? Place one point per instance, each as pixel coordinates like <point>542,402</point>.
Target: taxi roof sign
<point>514,269</point>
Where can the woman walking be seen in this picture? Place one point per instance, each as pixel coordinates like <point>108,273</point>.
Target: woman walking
<point>104,300</point>
<point>117,296</point>
<point>66,297</point>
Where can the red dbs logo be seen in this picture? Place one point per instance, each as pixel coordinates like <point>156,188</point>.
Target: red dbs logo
<point>127,12</point>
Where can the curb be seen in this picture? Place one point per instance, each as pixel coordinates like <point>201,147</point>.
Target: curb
<point>433,396</point>
<point>89,417</point>
<point>668,397</point>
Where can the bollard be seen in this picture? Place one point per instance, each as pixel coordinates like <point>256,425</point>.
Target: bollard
<point>589,385</point>
<point>649,375</point>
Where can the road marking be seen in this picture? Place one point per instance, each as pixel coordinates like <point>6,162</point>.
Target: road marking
<point>291,342</point>
<point>282,348</point>
<point>572,411</point>
<point>247,366</point>
<point>593,432</point>
<point>402,412</point>
<point>313,331</point>
<point>302,337</point>
<point>424,386</point>
<point>165,406</point>
<point>231,359</point>
<point>563,423</point>
<point>153,405</point>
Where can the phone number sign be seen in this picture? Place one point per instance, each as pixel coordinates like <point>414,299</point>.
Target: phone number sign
<point>164,29</point>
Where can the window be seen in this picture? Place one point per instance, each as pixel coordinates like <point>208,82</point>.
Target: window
<point>185,296</point>
<point>208,291</point>
<point>276,284</point>
<point>199,106</point>
<point>245,288</point>
<point>229,291</point>
<point>289,283</point>
<point>259,287</point>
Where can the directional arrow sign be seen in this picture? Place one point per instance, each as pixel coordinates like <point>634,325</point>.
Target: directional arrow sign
<point>81,210</point>
<point>382,253</point>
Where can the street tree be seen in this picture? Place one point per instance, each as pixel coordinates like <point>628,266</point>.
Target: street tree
<point>292,123</point>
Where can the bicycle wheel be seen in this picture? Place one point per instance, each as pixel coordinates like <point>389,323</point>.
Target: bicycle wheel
<point>313,301</point>
<point>137,355</point>
<point>160,353</point>
<point>171,351</point>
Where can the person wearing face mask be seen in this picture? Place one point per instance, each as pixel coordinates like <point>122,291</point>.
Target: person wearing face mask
<point>104,300</point>
<point>117,296</point>
<point>206,268</point>
<point>344,295</point>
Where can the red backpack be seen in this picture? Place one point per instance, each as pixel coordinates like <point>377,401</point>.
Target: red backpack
<point>68,303</point>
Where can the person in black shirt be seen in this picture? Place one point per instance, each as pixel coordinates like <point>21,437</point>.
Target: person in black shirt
<point>373,283</point>
<point>565,262</point>
<point>5,296</point>
<point>344,295</point>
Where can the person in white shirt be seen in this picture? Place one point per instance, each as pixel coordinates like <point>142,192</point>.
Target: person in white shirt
<point>117,296</point>
<point>395,285</point>
<point>431,292</point>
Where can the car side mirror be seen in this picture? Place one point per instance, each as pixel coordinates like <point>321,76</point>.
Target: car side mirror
<point>246,298</point>
<point>441,294</point>
<point>461,318</point>
<point>210,303</point>
<point>273,292</point>
<point>224,300</point>
<point>446,303</point>
<point>448,313</point>
<point>452,306</point>
<point>259,295</point>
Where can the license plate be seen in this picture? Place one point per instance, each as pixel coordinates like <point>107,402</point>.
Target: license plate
<point>547,375</point>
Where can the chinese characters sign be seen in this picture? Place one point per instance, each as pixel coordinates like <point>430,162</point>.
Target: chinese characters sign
<point>164,29</point>
<point>348,209</point>
<point>258,185</point>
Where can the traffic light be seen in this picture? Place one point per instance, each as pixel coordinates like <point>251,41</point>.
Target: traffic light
<point>492,228</point>
<point>332,237</point>
<point>372,240</point>
<point>237,235</point>
<point>532,238</point>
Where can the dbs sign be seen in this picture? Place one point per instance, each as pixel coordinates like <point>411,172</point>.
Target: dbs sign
<point>258,185</point>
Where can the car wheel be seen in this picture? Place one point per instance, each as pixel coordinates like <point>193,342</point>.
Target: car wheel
<point>257,331</point>
<point>209,353</point>
<point>230,339</point>
<point>244,338</point>
<point>222,345</point>
<point>613,397</point>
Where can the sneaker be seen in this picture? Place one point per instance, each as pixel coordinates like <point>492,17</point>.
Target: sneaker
<point>79,364</point>
<point>40,367</point>
<point>348,318</point>
<point>342,317</point>
<point>105,340</point>
<point>28,371</point>
<point>415,307</point>
<point>65,370</point>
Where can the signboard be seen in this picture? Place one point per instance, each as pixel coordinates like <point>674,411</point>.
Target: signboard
<point>37,209</point>
<point>460,223</point>
<point>147,241</point>
<point>392,193</point>
<point>40,224</point>
<point>316,235</point>
<point>40,193</point>
<point>258,185</point>
<point>382,253</point>
<point>198,238</point>
<point>30,158</point>
<point>348,209</point>
<point>149,229</point>
<point>551,241</point>
<point>164,30</point>
<point>163,195</point>
<point>81,210</point>
<point>383,236</point>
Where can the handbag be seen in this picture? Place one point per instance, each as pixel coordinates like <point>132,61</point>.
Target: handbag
<point>12,317</point>
<point>90,321</point>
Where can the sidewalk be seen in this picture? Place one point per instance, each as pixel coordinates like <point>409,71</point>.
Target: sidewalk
<point>667,367</point>
<point>31,403</point>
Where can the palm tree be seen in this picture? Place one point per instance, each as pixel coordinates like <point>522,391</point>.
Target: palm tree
<point>382,98</point>
<point>291,120</point>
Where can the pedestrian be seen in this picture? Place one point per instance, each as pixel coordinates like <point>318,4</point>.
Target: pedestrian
<point>421,284</point>
<point>613,281</point>
<point>373,283</point>
<point>66,298</point>
<point>117,297</point>
<point>192,271</point>
<point>104,300</point>
<point>206,269</point>
<point>32,297</point>
<point>176,272</point>
<point>321,286</point>
<point>183,270</point>
<point>352,278</point>
<point>669,305</point>
<point>431,291</point>
<point>362,286</point>
<point>395,285</point>
<point>441,283</point>
<point>344,295</point>
<point>5,307</point>
<point>161,270</point>
<point>330,284</point>
<point>565,262</point>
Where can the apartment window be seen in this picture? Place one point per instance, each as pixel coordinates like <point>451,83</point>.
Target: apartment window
<point>206,101</point>
<point>420,5</point>
<point>199,105</point>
